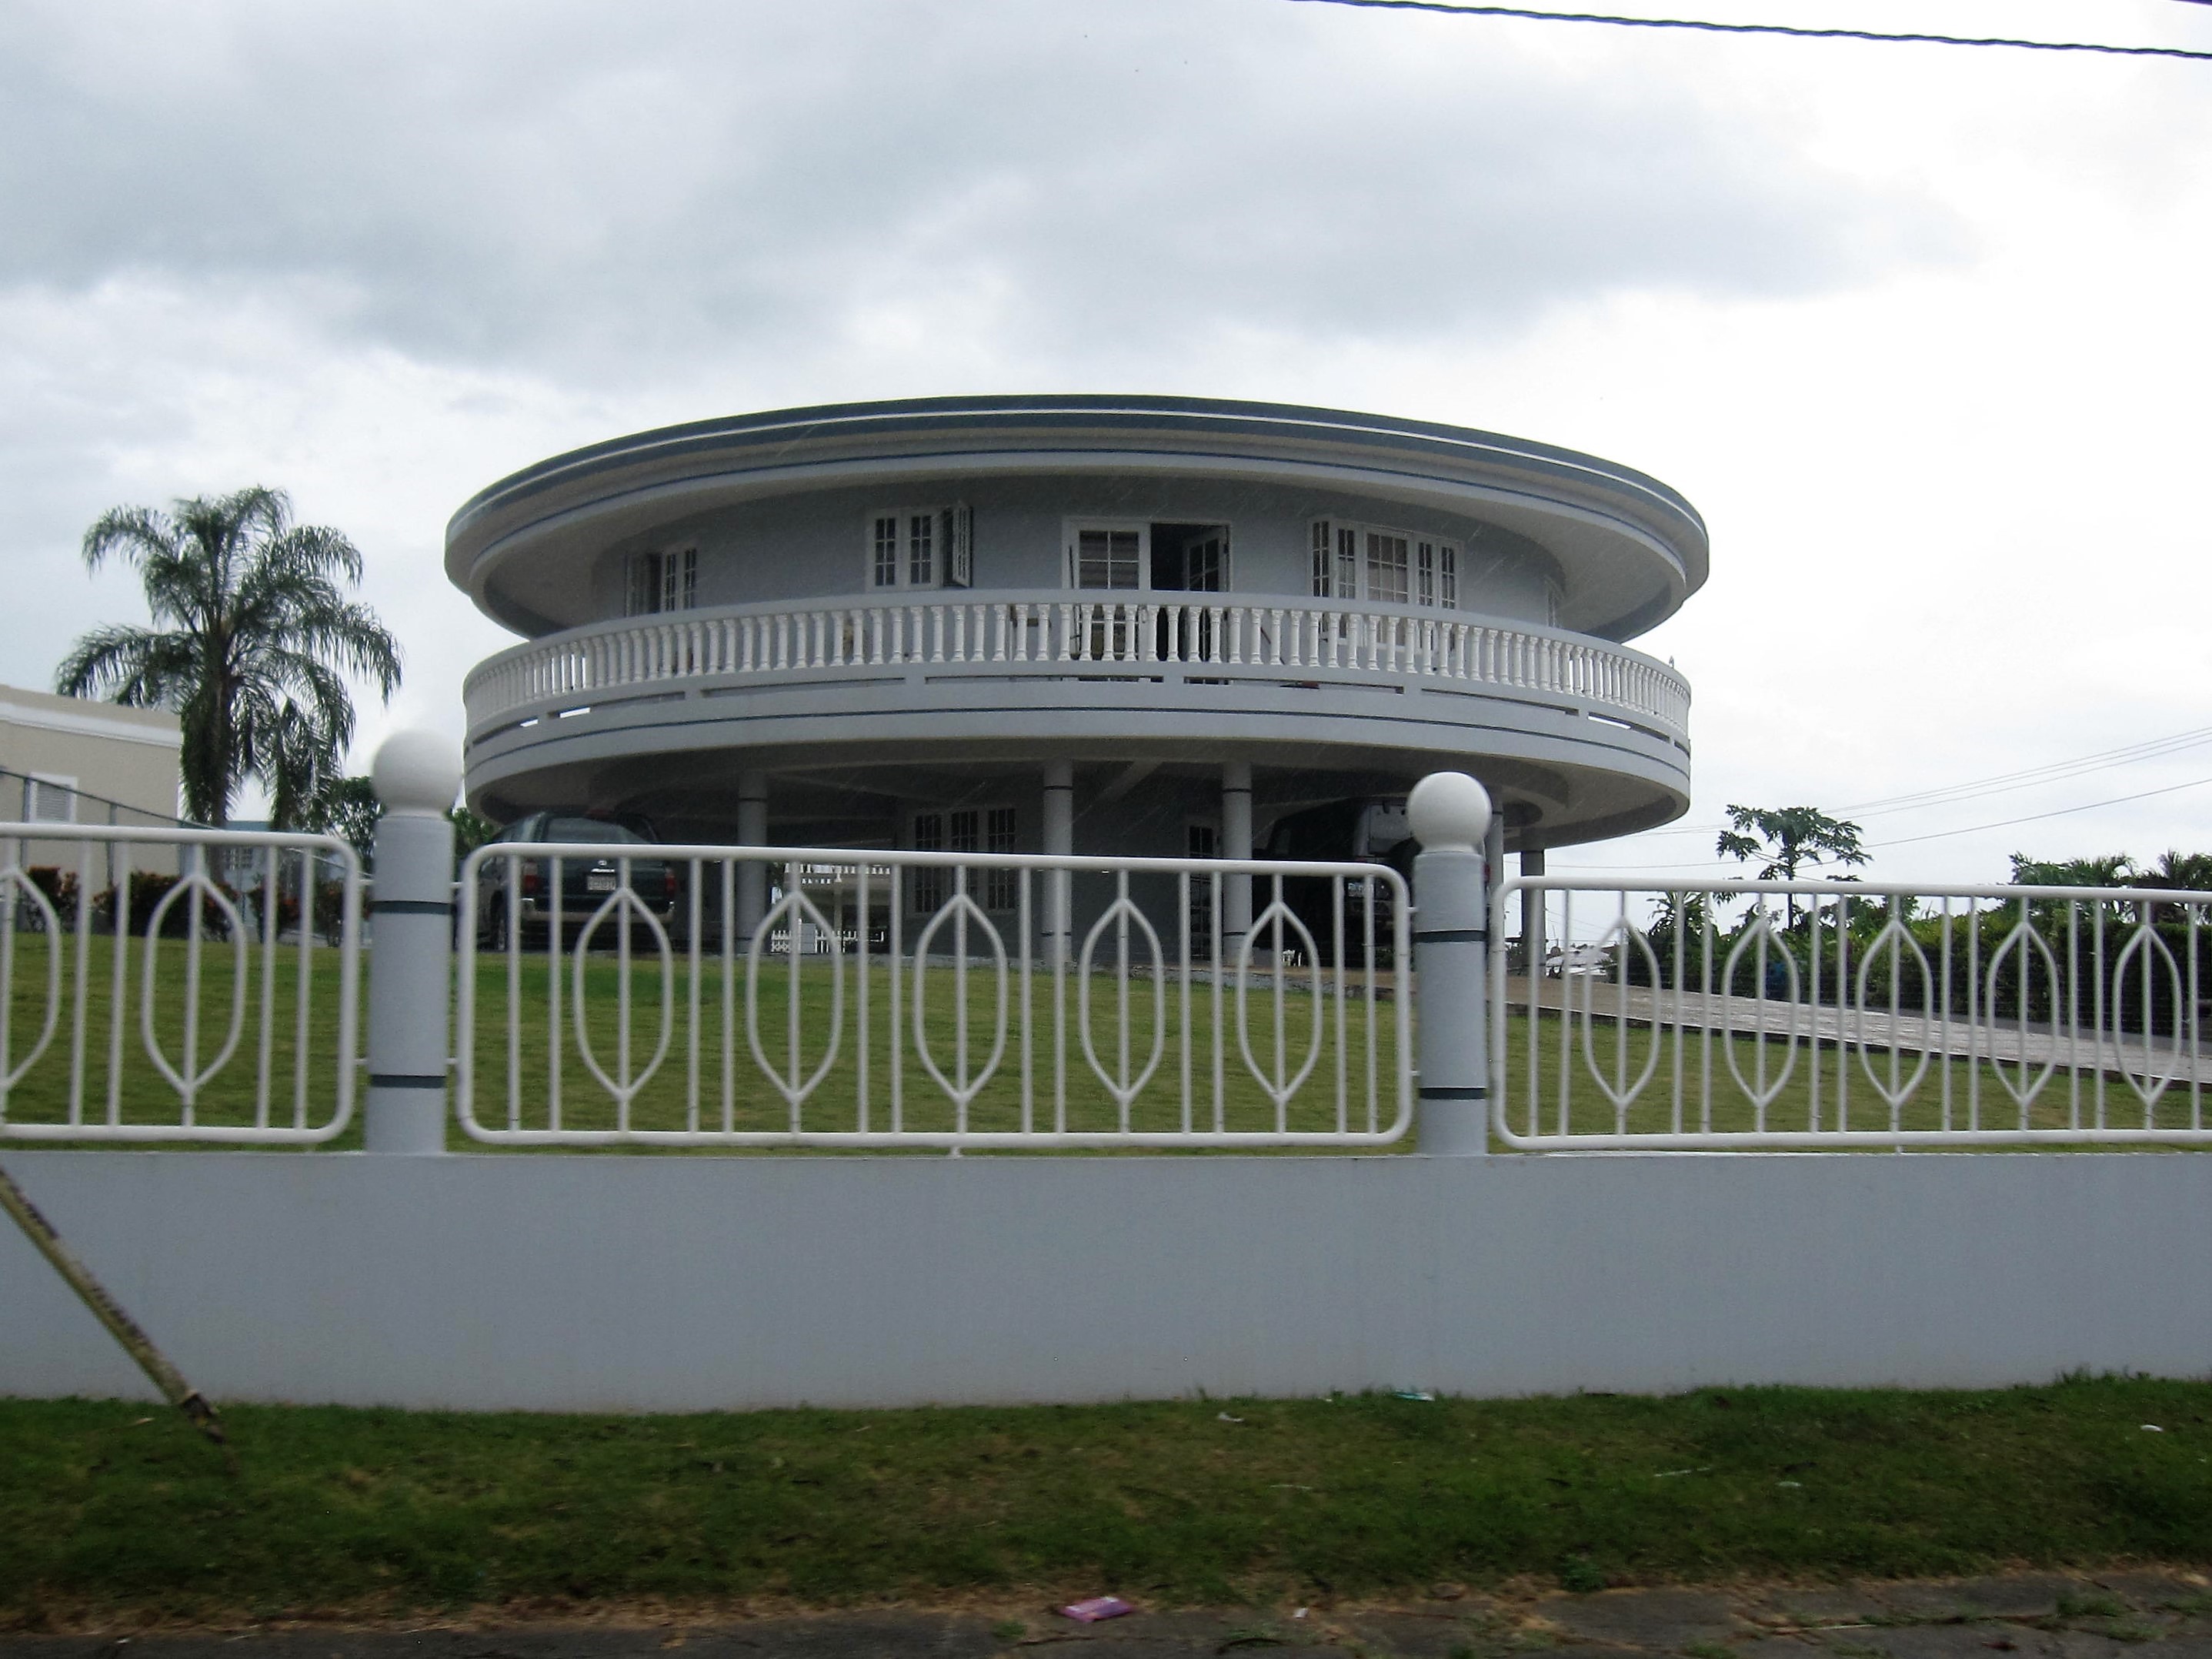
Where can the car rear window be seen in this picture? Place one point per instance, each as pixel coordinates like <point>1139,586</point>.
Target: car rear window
<point>593,829</point>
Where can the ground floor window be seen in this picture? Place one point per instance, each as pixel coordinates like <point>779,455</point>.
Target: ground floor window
<point>1201,841</point>
<point>965,830</point>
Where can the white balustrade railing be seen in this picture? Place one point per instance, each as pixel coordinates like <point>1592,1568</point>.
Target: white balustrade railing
<point>177,984</point>
<point>736,997</point>
<point>1224,637</point>
<point>1740,1015</point>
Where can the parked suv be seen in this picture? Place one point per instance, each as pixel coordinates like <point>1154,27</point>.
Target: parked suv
<point>586,881</point>
<point>1365,830</point>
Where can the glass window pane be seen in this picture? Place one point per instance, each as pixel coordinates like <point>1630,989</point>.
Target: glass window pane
<point>1386,568</point>
<point>1107,558</point>
<point>922,550</point>
<point>885,566</point>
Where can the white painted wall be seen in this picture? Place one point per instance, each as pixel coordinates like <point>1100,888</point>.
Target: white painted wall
<point>816,544</point>
<point>667,1283</point>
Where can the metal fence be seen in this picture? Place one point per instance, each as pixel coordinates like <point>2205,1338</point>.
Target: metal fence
<point>815,997</point>
<point>1742,1015</point>
<point>138,1005</point>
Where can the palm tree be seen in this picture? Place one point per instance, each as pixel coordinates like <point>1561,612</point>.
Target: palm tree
<point>1789,838</point>
<point>253,638</point>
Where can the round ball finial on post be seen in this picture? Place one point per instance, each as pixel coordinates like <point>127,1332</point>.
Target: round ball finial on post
<point>416,776</point>
<point>1449,813</point>
<point>416,771</point>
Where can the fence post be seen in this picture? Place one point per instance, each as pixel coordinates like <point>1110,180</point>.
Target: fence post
<point>1450,815</point>
<point>416,776</point>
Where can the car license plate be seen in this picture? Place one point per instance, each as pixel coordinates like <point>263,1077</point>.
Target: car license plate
<point>599,881</point>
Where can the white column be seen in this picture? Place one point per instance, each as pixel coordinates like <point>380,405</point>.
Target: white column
<point>1451,818</point>
<point>1059,842</point>
<point>752,875</point>
<point>1236,843</point>
<point>416,776</point>
<point>1531,914</point>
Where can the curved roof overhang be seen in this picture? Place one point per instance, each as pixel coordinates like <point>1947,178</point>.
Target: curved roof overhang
<point>1629,551</point>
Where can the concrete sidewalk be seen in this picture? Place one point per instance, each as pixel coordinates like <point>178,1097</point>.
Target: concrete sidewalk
<point>2148,1615</point>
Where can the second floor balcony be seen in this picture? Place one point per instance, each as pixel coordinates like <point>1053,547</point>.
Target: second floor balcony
<point>1254,643</point>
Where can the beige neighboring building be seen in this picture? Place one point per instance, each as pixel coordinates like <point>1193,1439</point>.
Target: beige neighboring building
<point>70,760</point>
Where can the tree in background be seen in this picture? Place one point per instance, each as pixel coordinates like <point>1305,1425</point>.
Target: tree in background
<point>1790,839</point>
<point>348,809</point>
<point>2112,870</point>
<point>253,636</point>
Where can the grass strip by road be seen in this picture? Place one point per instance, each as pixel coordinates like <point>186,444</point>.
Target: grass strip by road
<point>113,1515</point>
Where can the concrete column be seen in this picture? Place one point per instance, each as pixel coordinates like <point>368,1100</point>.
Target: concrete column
<point>1059,842</point>
<point>1451,816</point>
<point>1532,914</point>
<point>416,776</point>
<point>752,875</point>
<point>1236,843</point>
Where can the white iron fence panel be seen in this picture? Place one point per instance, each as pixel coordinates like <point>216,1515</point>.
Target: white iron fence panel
<point>166,985</point>
<point>815,997</point>
<point>1721,1015</point>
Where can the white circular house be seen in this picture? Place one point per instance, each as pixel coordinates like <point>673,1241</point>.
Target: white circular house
<point>1097,624</point>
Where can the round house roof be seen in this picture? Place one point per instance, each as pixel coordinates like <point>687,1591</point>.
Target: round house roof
<point>1629,549</point>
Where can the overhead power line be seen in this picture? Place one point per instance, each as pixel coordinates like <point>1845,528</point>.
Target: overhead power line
<point>2036,817</point>
<point>2054,772</point>
<point>1792,30</point>
<point>2058,771</point>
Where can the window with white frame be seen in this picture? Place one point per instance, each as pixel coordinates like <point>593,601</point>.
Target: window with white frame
<point>921,547</point>
<point>1384,565</point>
<point>663,581</point>
<point>49,798</point>
<point>1108,556</point>
<point>1436,575</point>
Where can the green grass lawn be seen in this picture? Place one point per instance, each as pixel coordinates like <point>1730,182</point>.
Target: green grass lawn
<point>692,1085</point>
<point>114,1513</point>
<point>1805,1088</point>
<point>1169,1040</point>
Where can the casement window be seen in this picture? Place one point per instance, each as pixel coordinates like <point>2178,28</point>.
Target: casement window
<point>921,547</point>
<point>1551,605</point>
<point>1388,561</point>
<point>968,830</point>
<point>1384,566</point>
<point>663,581</point>
<point>1110,556</point>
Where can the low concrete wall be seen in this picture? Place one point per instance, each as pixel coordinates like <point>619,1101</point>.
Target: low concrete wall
<point>668,1282</point>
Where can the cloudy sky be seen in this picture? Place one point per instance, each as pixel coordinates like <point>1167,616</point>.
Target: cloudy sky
<point>1922,331</point>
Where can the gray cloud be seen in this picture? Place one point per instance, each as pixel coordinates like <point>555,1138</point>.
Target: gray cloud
<point>593,191</point>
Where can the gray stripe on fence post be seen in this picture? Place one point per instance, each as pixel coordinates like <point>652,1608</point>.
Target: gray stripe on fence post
<point>1451,816</point>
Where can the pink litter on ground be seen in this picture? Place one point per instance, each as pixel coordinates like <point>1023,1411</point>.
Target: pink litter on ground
<point>1098,1607</point>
